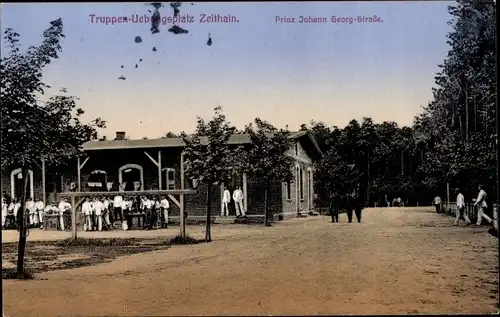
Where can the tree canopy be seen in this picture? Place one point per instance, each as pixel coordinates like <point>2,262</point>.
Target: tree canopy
<point>33,130</point>
<point>452,141</point>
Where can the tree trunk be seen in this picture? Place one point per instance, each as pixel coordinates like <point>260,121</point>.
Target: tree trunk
<point>267,216</point>
<point>466,114</point>
<point>208,234</point>
<point>22,226</point>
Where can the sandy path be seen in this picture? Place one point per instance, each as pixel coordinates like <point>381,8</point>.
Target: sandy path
<point>395,262</point>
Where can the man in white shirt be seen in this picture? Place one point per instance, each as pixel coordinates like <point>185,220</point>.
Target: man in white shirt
<point>437,203</point>
<point>63,207</point>
<point>126,208</point>
<point>39,206</point>
<point>480,204</point>
<point>30,207</point>
<point>164,205</point>
<point>98,210</point>
<point>460,209</point>
<point>117,207</point>
<point>238,202</point>
<point>107,210</point>
<point>226,199</point>
<point>146,207</point>
<point>16,206</point>
<point>87,212</point>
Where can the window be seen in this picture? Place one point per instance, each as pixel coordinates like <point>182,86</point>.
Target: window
<point>296,149</point>
<point>301,183</point>
<point>288,187</point>
<point>169,178</point>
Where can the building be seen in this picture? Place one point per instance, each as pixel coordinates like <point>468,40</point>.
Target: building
<point>128,165</point>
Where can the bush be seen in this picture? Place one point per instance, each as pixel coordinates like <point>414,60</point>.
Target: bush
<point>11,274</point>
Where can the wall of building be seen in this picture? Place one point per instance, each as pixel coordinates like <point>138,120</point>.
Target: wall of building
<point>37,184</point>
<point>302,162</point>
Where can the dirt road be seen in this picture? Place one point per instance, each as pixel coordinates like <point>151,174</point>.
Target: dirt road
<point>394,262</point>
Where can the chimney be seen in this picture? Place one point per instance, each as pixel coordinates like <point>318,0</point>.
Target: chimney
<point>120,135</point>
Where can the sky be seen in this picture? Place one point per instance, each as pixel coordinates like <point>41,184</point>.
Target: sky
<point>259,66</point>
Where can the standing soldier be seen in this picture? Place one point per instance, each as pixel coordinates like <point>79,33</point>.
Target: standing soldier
<point>358,207</point>
<point>333,208</point>
<point>349,207</point>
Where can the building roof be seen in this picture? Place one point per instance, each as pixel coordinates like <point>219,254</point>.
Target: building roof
<point>235,139</point>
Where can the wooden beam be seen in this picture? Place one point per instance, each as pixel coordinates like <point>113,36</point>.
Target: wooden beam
<point>181,200</point>
<point>43,182</point>
<point>176,202</point>
<point>131,193</point>
<point>78,165</point>
<point>159,170</point>
<point>84,162</point>
<point>152,159</point>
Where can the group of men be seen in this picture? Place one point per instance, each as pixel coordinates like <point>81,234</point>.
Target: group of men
<point>238,202</point>
<point>99,213</point>
<point>479,203</point>
<point>36,211</point>
<point>348,203</point>
<point>105,212</point>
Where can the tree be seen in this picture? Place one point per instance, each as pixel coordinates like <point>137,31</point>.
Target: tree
<point>169,135</point>
<point>336,178</point>
<point>459,124</point>
<point>267,159</point>
<point>209,157</point>
<point>30,130</point>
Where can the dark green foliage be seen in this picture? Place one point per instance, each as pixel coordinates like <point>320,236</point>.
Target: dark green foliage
<point>265,159</point>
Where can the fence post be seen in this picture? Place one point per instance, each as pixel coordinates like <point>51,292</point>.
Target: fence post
<point>73,217</point>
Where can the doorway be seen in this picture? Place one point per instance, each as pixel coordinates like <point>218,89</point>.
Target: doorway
<point>297,189</point>
<point>168,178</point>
<point>17,184</point>
<point>131,177</point>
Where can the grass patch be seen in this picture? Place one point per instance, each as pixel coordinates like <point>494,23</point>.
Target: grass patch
<point>96,242</point>
<point>179,240</point>
<point>43,256</point>
<point>11,274</point>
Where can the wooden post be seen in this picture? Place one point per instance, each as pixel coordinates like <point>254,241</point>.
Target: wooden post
<point>447,192</point>
<point>245,198</point>
<point>73,216</point>
<point>181,200</point>
<point>221,198</point>
<point>159,170</point>
<point>78,173</point>
<point>43,182</point>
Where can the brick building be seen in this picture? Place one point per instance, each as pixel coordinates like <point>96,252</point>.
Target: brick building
<point>127,165</point>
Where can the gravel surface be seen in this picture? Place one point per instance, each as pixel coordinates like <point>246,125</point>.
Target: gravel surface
<point>397,261</point>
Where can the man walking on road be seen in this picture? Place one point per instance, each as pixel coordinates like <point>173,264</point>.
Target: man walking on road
<point>481,204</point>
<point>461,209</point>
<point>437,203</point>
<point>333,208</point>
